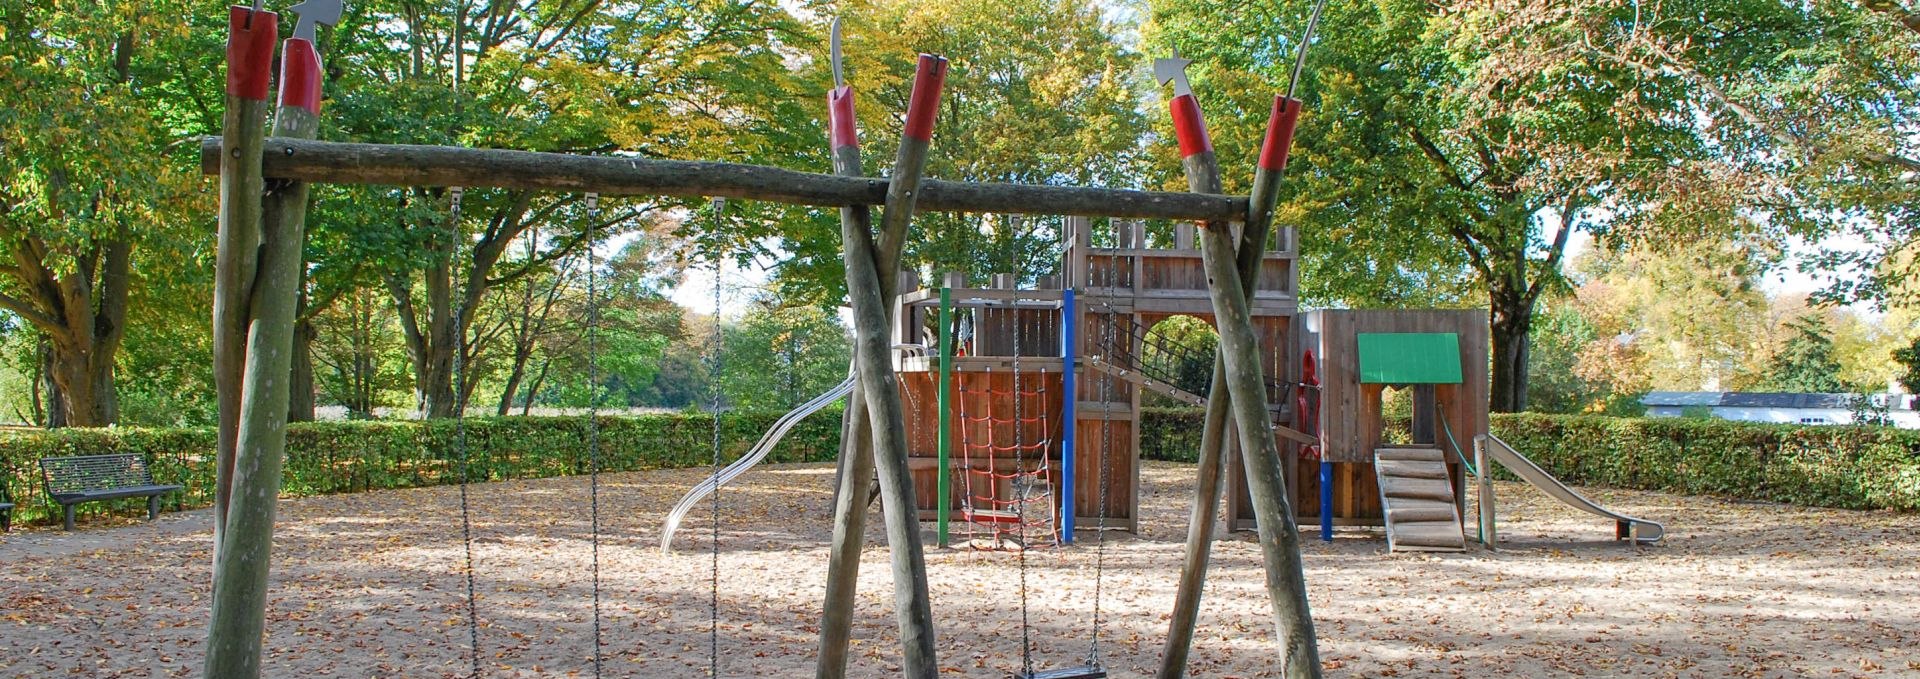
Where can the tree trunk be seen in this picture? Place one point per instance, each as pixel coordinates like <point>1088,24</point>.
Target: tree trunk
<point>300,395</point>
<point>49,407</point>
<point>1512,323</point>
<point>512,388</point>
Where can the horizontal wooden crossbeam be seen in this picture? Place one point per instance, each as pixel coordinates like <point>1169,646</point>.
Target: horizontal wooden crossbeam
<point>415,165</point>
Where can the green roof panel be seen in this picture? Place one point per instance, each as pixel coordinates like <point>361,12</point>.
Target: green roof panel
<point>1409,358</point>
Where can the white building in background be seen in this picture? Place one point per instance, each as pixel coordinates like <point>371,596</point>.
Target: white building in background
<point>1779,408</point>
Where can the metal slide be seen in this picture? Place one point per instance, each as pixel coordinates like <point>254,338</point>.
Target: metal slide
<point>1627,527</point>
<point>754,456</point>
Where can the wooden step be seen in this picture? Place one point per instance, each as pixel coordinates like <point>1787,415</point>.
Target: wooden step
<point>1422,511</point>
<point>1430,535</point>
<point>1418,499</point>
<point>1411,470</point>
<point>1416,489</point>
<point>1409,454</point>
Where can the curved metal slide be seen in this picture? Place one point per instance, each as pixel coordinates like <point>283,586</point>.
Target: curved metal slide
<point>752,457</point>
<point>1636,529</point>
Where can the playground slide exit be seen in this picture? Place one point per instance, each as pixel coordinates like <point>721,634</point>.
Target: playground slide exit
<point>1635,529</point>
<point>752,457</point>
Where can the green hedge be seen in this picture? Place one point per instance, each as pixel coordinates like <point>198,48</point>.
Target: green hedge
<point>1828,466</point>
<point>344,457</point>
<point>1822,466</point>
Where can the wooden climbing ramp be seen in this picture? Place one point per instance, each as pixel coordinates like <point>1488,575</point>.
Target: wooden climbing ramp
<point>1423,514</point>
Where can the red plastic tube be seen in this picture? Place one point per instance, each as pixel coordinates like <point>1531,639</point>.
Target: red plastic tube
<point>300,75</point>
<point>1189,127</point>
<point>841,131</point>
<point>928,80</point>
<point>1279,141</point>
<point>250,51</point>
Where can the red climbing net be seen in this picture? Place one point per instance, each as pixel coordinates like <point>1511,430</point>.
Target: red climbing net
<point>1006,437</point>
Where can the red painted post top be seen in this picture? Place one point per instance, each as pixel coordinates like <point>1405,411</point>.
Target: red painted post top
<point>1279,141</point>
<point>928,80</point>
<point>841,130</point>
<point>250,51</point>
<point>300,75</point>
<point>1189,127</point>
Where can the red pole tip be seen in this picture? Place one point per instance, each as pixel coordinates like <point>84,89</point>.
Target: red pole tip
<point>1189,127</point>
<point>1279,141</point>
<point>928,80</point>
<point>300,75</point>
<point>841,130</point>
<point>250,37</point>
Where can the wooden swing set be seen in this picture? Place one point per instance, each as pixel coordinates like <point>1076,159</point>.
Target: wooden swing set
<point>264,184</point>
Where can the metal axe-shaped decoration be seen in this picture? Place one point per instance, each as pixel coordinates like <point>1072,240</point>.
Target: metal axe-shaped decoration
<point>833,54</point>
<point>1173,70</point>
<point>315,12</point>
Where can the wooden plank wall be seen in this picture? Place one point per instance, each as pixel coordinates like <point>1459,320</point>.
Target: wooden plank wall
<point>1349,413</point>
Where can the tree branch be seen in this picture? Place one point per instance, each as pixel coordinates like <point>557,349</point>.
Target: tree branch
<point>32,314</point>
<point>1895,11</point>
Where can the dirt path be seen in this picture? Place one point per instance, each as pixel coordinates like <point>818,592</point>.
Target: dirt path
<point>370,585</point>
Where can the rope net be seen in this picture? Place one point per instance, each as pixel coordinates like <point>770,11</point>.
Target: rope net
<point>1006,461</point>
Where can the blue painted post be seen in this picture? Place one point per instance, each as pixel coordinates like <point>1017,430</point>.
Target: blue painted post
<point>1070,424</point>
<point>1326,499</point>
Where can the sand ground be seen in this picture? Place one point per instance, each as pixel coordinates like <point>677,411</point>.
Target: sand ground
<point>372,585</point>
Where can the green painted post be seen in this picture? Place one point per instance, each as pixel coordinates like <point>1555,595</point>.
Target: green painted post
<point>946,423</point>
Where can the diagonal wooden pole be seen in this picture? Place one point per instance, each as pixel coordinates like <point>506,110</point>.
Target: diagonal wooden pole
<point>250,40</point>
<point>856,445</point>
<point>872,272</point>
<point>1240,351</point>
<point>240,572</point>
<point>1207,488</point>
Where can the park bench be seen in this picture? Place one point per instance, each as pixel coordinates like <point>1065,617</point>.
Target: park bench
<point>85,478</point>
<point>6,508</point>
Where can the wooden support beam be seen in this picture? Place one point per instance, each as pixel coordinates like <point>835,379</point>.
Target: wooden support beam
<point>1238,394</point>
<point>245,553</point>
<point>856,439</point>
<point>417,165</point>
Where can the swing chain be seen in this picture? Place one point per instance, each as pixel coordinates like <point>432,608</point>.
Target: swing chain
<point>593,412</point>
<point>454,195</point>
<point>716,372</point>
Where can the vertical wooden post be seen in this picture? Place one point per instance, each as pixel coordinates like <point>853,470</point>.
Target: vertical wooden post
<point>250,41</point>
<point>1485,483</point>
<point>1249,257</point>
<point>241,569</point>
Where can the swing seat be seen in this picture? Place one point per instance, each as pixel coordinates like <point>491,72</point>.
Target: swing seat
<point>1082,672</point>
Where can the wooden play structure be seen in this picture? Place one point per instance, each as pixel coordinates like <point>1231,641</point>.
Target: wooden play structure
<point>1080,339</point>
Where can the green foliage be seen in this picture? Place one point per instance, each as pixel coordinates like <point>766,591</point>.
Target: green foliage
<point>1191,364</point>
<point>779,357</point>
<point>1823,466</point>
<point>344,457</point>
<point>1554,384</point>
<point>1871,410</point>
<point>1806,363</point>
<point>1909,359</point>
<point>1038,91</point>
